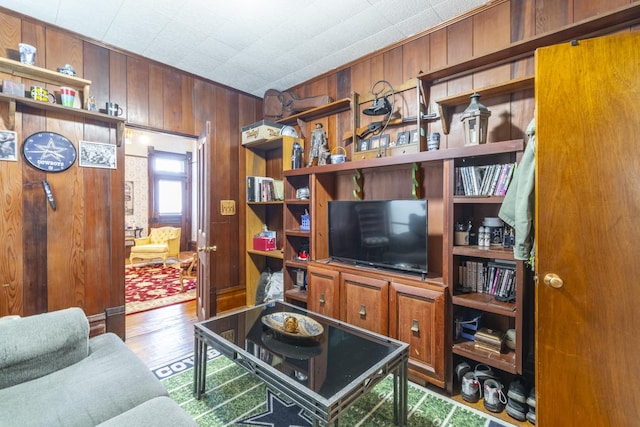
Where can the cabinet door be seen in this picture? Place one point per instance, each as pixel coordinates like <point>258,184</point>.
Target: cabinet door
<point>416,316</point>
<point>365,302</point>
<point>323,291</point>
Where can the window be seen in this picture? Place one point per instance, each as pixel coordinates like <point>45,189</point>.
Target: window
<point>169,178</point>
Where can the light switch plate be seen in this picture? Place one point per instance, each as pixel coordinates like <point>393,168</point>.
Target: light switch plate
<point>227,207</point>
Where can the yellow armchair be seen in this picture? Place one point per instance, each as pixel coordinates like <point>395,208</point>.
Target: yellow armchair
<point>163,243</point>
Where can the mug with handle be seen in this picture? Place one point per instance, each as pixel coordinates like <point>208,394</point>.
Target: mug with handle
<point>41,94</point>
<point>113,109</point>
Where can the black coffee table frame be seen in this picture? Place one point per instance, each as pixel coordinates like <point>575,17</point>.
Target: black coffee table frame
<point>325,410</point>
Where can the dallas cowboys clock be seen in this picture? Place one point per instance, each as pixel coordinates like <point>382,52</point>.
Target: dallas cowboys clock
<point>49,151</point>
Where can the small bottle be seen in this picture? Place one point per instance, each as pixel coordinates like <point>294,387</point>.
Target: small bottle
<point>481,236</point>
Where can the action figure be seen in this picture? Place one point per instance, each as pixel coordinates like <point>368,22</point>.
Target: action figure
<point>319,146</point>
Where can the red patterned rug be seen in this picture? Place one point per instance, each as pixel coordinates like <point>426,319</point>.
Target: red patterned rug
<point>152,286</point>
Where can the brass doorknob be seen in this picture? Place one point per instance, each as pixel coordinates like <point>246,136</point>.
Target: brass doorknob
<point>553,280</point>
<point>208,249</point>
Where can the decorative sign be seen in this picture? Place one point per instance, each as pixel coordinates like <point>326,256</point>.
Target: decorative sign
<point>49,151</point>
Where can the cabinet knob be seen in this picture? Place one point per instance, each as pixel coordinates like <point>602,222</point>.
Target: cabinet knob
<point>322,301</point>
<point>363,310</point>
<point>553,280</point>
<point>414,326</point>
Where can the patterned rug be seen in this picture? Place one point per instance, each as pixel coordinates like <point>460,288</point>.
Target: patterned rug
<point>151,286</point>
<point>236,398</point>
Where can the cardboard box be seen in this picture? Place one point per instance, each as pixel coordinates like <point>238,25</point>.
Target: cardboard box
<point>264,243</point>
<point>260,131</point>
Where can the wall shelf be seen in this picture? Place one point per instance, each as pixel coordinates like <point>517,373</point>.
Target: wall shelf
<point>18,69</point>
<point>334,107</point>
<point>447,105</point>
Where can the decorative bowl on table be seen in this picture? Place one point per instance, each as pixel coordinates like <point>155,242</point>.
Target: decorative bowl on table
<point>293,324</point>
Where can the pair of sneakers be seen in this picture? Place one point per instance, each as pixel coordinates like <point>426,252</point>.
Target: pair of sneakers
<point>521,403</point>
<point>472,382</point>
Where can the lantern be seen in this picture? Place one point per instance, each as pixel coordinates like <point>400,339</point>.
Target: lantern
<point>475,120</point>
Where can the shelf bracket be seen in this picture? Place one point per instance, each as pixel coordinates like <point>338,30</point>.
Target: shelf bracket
<point>12,114</point>
<point>358,180</point>
<point>416,179</point>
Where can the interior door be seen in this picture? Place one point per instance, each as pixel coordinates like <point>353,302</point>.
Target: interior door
<point>206,292</point>
<point>587,206</point>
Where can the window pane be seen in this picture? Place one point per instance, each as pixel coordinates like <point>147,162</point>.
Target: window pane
<point>164,164</point>
<point>169,197</point>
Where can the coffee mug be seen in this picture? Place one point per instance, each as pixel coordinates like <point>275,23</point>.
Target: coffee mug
<point>67,96</point>
<point>41,94</point>
<point>27,53</point>
<point>113,109</point>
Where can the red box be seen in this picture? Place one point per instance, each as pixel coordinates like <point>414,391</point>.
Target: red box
<point>264,243</point>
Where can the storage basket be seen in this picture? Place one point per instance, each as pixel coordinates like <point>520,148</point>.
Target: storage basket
<point>338,157</point>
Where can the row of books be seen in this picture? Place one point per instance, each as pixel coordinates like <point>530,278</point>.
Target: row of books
<point>485,180</point>
<point>264,189</point>
<point>496,277</point>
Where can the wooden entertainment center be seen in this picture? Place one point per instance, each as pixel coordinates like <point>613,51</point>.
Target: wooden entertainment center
<point>417,309</point>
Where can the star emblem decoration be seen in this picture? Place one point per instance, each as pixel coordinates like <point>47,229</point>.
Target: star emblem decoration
<point>50,150</point>
<point>278,414</point>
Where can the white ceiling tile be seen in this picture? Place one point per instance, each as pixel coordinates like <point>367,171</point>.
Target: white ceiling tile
<point>247,44</point>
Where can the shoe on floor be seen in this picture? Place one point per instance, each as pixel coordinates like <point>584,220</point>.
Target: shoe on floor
<point>531,400</point>
<point>531,416</point>
<point>516,410</point>
<point>518,390</point>
<point>471,389</point>
<point>494,398</point>
<point>461,369</point>
<point>483,372</point>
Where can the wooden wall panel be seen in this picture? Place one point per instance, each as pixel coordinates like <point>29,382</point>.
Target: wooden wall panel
<point>10,36</point>
<point>157,97</point>
<point>65,226</point>
<point>118,82</point>
<point>137,96</point>
<point>34,224</point>
<point>224,174</point>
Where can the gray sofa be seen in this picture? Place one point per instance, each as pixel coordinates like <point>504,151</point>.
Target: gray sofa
<point>53,374</point>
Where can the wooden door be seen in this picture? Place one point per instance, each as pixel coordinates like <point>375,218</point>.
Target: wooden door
<point>587,207</point>
<point>365,302</point>
<point>323,291</point>
<point>206,292</point>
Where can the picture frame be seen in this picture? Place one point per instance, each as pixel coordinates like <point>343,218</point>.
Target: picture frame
<point>363,145</point>
<point>403,138</point>
<point>374,142</point>
<point>128,197</point>
<point>8,146</point>
<point>414,137</point>
<point>97,155</point>
<point>384,140</point>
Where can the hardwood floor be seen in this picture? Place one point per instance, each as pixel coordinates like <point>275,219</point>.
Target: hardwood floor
<point>162,335</point>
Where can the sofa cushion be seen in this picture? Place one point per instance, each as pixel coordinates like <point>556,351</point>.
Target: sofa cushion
<point>109,381</point>
<point>158,412</point>
<point>29,350</point>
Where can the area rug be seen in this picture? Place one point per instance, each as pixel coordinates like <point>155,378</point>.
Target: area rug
<point>237,398</point>
<point>152,286</point>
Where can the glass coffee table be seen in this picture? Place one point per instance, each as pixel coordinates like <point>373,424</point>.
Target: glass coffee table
<point>322,364</point>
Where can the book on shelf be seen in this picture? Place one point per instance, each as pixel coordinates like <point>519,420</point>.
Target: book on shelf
<point>496,277</point>
<point>263,189</point>
<point>483,180</point>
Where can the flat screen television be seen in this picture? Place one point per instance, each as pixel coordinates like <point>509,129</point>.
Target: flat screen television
<point>379,233</point>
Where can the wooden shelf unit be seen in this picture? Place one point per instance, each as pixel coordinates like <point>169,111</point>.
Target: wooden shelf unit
<point>18,69</point>
<point>266,158</point>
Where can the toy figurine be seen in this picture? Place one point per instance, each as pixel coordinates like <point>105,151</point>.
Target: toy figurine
<point>319,146</point>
